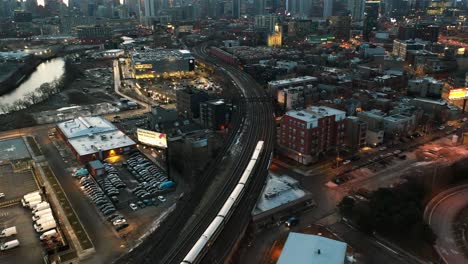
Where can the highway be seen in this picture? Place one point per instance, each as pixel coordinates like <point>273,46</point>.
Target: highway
<point>252,122</point>
<point>441,213</point>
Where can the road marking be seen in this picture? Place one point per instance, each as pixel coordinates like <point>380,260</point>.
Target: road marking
<point>386,247</point>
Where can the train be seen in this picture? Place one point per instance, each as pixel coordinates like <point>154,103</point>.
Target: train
<point>197,252</point>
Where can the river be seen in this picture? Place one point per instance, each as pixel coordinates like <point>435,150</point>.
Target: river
<point>46,72</point>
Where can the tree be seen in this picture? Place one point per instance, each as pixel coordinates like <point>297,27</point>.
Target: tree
<point>346,206</point>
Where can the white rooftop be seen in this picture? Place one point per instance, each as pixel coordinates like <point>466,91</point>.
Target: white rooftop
<point>91,134</point>
<point>292,81</point>
<point>279,190</point>
<point>83,126</point>
<point>307,249</point>
<point>100,142</point>
<point>311,114</point>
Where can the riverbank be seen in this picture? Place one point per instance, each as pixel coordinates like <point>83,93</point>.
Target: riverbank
<point>15,74</point>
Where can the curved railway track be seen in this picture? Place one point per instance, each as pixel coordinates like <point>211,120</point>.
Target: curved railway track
<point>254,122</point>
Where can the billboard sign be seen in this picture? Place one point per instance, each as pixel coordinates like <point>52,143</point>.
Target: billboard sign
<point>457,93</point>
<point>152,138</point>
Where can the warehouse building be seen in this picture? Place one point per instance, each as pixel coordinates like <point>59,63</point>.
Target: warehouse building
<point>94,138</point>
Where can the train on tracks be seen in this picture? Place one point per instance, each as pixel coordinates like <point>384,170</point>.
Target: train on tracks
<point>197,252</point>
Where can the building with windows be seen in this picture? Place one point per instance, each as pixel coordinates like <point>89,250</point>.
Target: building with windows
<point>275,86</point>
<point>427,87</point>
<point>214,114</point>
<point>375,127</point>
<point>149,64</point>
<point>188,102</point>
<point>304,135</point>
<point>94,34</point>
<point>93,138</point>
<point>356,132</point>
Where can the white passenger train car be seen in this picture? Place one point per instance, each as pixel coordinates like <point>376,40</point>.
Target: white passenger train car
<point>196,253</point>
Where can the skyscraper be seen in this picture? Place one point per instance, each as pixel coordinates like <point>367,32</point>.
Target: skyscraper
<point>300,8</point>
<point>236,8</point>
<point>260,7</point>
<point>356,8</point>
<point>327,8</point>
<point>151,7</point>
<point>372,9</point>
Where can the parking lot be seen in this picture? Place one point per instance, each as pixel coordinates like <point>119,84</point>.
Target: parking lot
<point>29,250</point>
<point>129,184</point>
<point>15,184</point>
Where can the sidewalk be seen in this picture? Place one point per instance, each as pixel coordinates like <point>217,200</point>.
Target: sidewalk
<point>60,206</point>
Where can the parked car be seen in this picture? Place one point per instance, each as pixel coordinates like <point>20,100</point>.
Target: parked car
<point>133,206</point>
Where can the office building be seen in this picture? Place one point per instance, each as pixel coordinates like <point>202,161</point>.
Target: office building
<point>401,47</point>
<point>356,9</point>
<point>304,135</point>
<point>214,114</point>
<point>421,31</point>
<point>266,22</point>
<point>94,34</point>
<point>188,102</point>
<point>300,8</point>
<point>372,10</point>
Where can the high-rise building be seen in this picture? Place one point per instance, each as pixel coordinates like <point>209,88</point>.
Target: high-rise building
<point>236,8</point>
<point>151,8</point>
<point>213,114</point>
<point>188,102</point>
<point>267,22</point>
<point>300,8</point>
<point>356,9</point>
<point>372,10</point>
<point>419,31</point>
<point>327,8</point>
<point>341,27</point>
<point>260,7</point>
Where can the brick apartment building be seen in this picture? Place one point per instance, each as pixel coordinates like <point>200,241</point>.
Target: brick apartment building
<point>303,135</point>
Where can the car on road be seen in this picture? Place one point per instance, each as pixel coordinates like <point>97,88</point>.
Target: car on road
<point>382,148</point>
<point>162,198</point>
<point>346,162</point>
<point>441,127</point>
<point>2,195</point>
<point>133,206</point>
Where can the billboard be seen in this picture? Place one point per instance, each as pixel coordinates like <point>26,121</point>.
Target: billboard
<point>457,93</point>
<point>152,138</point>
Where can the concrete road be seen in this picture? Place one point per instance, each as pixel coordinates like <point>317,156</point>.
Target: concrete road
<point>441,213</point>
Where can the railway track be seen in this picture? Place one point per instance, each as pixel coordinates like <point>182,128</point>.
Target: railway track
<point>170,244</point>
<point>258,128</point>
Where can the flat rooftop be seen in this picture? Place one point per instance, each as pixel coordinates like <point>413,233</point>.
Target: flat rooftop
<point>143,56</point>
<point>307,249</point>
<point>84,126</point>
<point>279,190</point>
<point>293,81</point>
<point>100,142</point>
<point>313,113</point>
